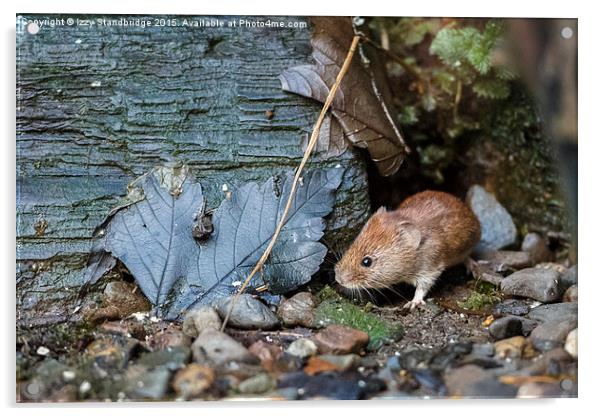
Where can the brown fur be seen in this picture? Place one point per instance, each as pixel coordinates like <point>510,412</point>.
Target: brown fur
<point>427,233</point>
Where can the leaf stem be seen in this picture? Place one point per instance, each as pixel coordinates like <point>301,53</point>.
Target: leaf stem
<point>306,155</point>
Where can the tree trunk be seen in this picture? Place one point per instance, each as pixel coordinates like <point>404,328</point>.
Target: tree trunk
<point>98,106</point>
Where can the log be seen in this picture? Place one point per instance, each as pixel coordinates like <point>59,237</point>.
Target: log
<point>98,106</point>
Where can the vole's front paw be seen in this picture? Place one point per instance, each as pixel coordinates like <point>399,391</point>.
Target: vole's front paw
<point>413,304</point>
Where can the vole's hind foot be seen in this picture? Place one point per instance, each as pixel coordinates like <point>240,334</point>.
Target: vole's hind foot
<point>413,304</point>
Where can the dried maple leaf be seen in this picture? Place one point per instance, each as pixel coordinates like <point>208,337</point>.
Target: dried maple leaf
<point>359,110</point>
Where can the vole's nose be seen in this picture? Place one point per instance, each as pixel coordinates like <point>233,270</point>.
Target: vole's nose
<point>342,278</point>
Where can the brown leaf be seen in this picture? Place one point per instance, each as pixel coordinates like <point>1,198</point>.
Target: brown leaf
<point>359,109</point>
<point>331,139</point>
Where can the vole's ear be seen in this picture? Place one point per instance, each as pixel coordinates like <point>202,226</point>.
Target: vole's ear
<point>381,210</point>
<point>412,233</point>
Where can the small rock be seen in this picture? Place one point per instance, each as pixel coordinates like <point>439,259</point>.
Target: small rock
<point>218,348</point>
<point>68,375</point>
<point>554,312</point>
<point>173,358</point>
<point>193,380</point>
<point>342,362</point>
<point>149,384</point>
<point>65,394</point>
<point>534,390</point>
<point>550,335</point>
<point>170,338</point>
<point>302,348</point>
<point>490,277</point>
<point>511,347</point>
<point>509,326</point>
<point>332,386</point>
<point>248,313</point>
<point>298,310</point>
<point>571,295</point>
<point>569,277</point>
<point>499,261</point>
<point>550,362</point>
<point>287,363</point>
<point>570,345</point>
<point>85,387</point>
<point>267,353</point>
<point>497,228</point>
<point>483,350</point>
<point>257,384</point>
<point>120,299</point>
<point>534,283</point>
<point>473,381</point>
<point>199,319</point>
<point>111,352</point>
<point>341,339</point>
<point>128,328</point>
<point>316,365</point>
<point>517,307</point>
<point>43,351</point>
<point>537,247</point>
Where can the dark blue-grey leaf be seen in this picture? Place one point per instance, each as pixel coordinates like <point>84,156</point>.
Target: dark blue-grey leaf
<point>153,236</point>
<point>243,227</point>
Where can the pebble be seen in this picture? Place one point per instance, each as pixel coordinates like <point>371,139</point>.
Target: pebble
<point>298,310</point>
<point>554,312</point>
<point>341,339</point>
<point>126,328</point>
<point>570,345</point>
<point>258,384</point>
<point>499,261</point>
<point>517,307</point>
<point>199,319</point>
<point>302,348</point>
<point>534,390</point>
<point>110,352</point>
<point>170,338</point>
<point>194,379</point>
<point>68,375</point>
<point>287,363</point>
<point>473,381</point>
<point>149,384</point>
<point>571,294</point>
<point>569,277</point>
<point>511,347</point>
<point>534,283</point>
<point>548,363</point>
<point>120,299</point>
<point>537,247</point>
<point>550,335</point>
<point>218,348</point>
<point>510,326</point>
<point>497,228</point>
<point>483,350</point>
<point>248,313</point>
<point>173,358</point>
<point>267,353</point>
<point>342,362</point>
<point>43,351</point>
<point>331,385</point>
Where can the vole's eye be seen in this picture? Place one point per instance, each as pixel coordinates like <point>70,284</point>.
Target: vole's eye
<point>367,261</point>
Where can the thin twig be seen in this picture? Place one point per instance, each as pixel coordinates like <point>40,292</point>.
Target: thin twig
<point>306,155</point>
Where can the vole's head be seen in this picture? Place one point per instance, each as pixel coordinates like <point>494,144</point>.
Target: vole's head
<point>381,255</point>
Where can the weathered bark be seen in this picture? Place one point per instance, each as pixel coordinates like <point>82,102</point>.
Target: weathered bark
<point>98,106</point>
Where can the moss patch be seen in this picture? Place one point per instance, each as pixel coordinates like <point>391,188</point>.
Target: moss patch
<point>484,294</point>
<point>334,309</point>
